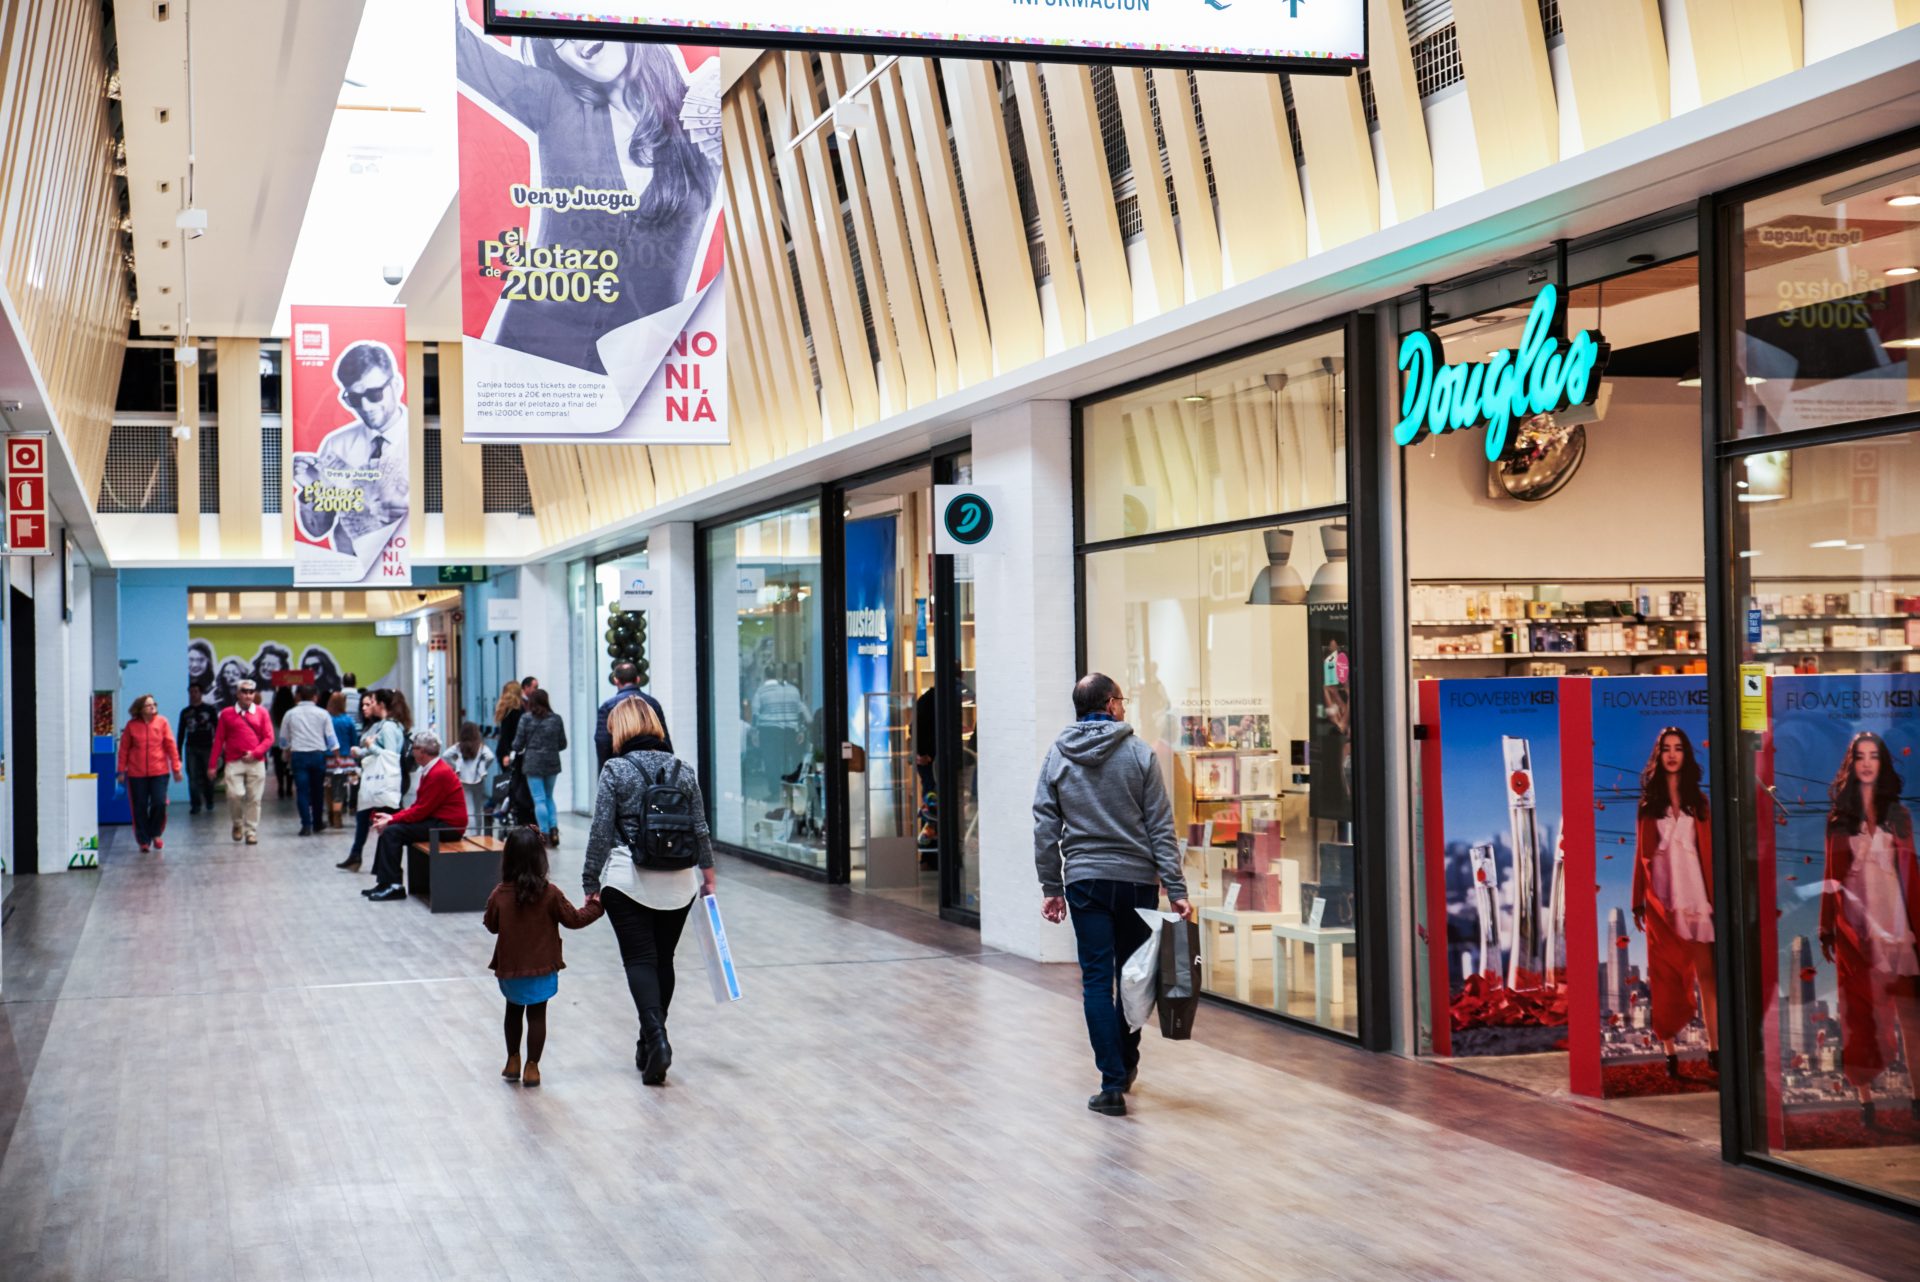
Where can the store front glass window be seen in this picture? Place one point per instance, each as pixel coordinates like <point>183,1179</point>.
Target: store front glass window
<point>766,751</point>
<point>1831,329</point>
<point>1233,649</point>
<point>1259,435</point>
<point>1828,573</point>
<point>1556,608</point>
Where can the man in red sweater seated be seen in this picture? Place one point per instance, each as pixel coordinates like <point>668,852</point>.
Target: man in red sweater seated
<point>442,804</point>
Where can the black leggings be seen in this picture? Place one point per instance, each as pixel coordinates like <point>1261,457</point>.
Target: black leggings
<point>647,938</point>
<point>536,1029</point>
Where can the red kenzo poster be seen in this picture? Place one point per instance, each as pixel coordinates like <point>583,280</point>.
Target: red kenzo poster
<point>593,237</point>
<point>350,441</point>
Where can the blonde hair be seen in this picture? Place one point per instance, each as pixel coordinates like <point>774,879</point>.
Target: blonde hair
<point>633,718</point>
<point>510,698</point>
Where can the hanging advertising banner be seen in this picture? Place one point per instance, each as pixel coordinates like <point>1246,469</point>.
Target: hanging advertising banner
<point>351,442</point>
<point>1300,35</point>
<point>591,223</point>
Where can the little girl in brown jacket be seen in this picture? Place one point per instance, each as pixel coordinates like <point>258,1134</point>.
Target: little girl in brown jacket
<point>527,911</point>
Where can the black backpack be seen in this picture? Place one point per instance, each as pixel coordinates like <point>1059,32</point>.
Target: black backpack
<point>663,837</point>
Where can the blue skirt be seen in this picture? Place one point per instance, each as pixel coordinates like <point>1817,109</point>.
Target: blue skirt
<point>531,990</point>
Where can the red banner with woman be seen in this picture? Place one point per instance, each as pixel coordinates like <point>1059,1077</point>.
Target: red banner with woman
<point>591,219</point>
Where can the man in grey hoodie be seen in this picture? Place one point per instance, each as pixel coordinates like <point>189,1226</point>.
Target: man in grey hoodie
<point>1103,842</point>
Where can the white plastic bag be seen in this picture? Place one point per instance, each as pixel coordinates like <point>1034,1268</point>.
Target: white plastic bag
<point>379,780</point>
<point>1139,975</point>
<point>719,954</point>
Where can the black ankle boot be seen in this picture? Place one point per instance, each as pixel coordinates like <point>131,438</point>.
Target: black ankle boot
<point>656,1055</point>
<point>1867,1118</point>
<point>1713,1061</point>
<point>1673,1067</point>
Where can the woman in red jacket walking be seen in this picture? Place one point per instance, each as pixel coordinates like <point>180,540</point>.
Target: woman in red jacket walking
<point>148,757</point>
<point>1869,909</point>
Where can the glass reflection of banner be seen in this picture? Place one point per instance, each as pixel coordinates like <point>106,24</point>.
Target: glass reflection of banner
<point>1615,986</point>
<point>350,442</point>
<point>590,285</point>
<point>1492,779</point>
<point>870,551</point>
<point>1834,1025</point>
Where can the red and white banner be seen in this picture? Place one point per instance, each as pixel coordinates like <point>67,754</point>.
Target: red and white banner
<point>351,442</point>
<point>592,223</point>
<point>28,532</point>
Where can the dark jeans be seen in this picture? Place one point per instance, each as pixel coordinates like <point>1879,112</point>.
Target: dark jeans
<point>362,825</point>
<point>394,840</point>
<point>147,797</point>
<point>310,788</point>
<point>647,938</point>
<point>199,782</point>
<point>1108,931</point>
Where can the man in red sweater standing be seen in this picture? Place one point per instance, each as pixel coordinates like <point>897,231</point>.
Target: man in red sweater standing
<point>441,804</point>
<point>242,740</point>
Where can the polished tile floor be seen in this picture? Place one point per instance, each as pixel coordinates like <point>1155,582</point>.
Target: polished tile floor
<point>220,1062</point>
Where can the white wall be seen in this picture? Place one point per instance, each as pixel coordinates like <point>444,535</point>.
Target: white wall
<point>1632,511</point>
<point>1024,622</point>
<point>674,667</point>
<point>1456,153</point>
<point>1835,26</point>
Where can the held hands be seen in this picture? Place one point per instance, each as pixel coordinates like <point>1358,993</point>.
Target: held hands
<point>380,822</point>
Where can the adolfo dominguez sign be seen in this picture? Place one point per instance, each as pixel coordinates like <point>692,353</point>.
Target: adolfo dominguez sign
<point>1540,376</point>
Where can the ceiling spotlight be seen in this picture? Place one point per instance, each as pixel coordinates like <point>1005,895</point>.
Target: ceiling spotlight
<point>1750,553</point>
<point>1903,271</point>
<point>1829,543</point>
<point>1901,342</point>
<point>1905,200</point>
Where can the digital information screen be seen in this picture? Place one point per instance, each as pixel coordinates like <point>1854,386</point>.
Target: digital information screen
<point>1300,35</point>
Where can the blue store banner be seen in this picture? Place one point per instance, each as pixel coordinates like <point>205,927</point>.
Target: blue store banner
<point>870,622</point>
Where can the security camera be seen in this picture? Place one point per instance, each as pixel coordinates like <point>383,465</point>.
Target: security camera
<point>421,597</point>
<point>392,274</point>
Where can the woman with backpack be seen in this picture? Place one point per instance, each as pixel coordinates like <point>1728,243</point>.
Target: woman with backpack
<point>649,855</point>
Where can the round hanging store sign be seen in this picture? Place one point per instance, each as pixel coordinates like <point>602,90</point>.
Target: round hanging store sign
<point>968,518</point>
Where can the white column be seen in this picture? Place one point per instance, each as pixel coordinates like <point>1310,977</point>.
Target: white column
<point>61,716</point>
<point>543,638</point>
<point>1024,633</point>
<point>672,639</point>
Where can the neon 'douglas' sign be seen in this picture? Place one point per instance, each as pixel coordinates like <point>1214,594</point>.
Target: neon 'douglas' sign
<point>1539,376</point>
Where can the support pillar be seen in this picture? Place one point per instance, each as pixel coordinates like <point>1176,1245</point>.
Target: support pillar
<point>1024,612</point>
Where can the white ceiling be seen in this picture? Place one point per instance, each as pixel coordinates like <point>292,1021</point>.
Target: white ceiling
<point>266,75</point>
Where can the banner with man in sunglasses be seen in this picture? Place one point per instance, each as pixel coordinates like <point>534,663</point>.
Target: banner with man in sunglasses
<point>351,446</point>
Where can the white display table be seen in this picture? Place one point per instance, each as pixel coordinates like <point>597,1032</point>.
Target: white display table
<point>1329,946</point>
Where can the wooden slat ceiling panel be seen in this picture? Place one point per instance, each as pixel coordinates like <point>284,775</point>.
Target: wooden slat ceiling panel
<point>61,243</point>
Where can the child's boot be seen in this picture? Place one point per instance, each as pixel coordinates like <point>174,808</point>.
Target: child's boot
<point>512,1071</point>
<point>531,1077</point>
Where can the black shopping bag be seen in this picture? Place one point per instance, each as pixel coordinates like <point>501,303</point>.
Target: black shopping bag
<point>1178,997</point>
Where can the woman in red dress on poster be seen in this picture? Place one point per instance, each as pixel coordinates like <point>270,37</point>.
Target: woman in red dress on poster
<point>1673,894</point>
<point>1869,902</point>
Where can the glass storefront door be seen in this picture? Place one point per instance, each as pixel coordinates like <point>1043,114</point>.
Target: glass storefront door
<point>911,796</point>
<point>1820,484</point>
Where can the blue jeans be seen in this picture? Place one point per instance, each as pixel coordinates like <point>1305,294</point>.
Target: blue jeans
<point>1107,931</point>
<point>147,799</point>
<point>310,788</point>
<point>544,816</point>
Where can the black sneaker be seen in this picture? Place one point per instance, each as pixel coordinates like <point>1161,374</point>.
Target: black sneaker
<point>387,894</point>
<point>305,832</point>
<point>1111,1103</point>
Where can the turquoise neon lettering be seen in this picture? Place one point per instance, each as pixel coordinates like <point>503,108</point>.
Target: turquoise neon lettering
<point>1536,377</point>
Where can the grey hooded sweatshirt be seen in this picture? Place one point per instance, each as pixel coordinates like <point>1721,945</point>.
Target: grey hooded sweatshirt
<point>1101,811</point>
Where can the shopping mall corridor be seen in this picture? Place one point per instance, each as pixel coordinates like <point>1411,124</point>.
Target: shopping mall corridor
<point>220,1062</point>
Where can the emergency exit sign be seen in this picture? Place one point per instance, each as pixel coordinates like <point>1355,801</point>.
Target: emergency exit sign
<point>27,533</point>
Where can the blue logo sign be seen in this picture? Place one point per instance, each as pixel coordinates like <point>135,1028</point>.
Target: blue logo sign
<point>1537,377</point>
<point>1756,626</point>
<point>968,518</point>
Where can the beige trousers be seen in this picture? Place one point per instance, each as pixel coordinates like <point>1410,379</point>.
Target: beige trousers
<point>246,785</point>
